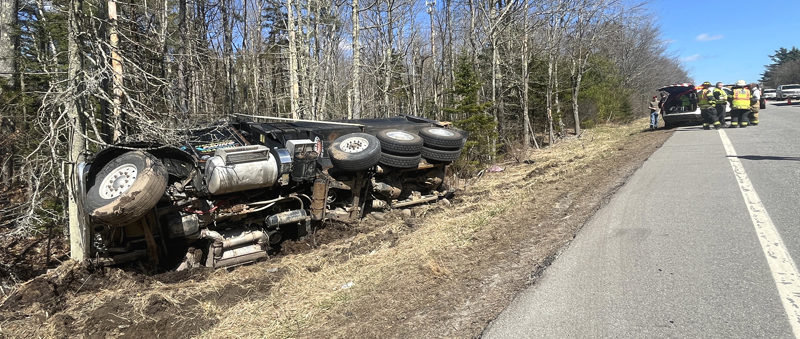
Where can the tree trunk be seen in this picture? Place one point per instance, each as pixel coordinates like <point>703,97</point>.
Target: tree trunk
<point>116,77</point>
<point>387,76</point>
<point>8,67</point>
<point>556,101</point>
<point>183,88</point>
<point>549,99</point>
<point>575,92</point>
<point>78,233</point>
<point>8,42</point>
<point>294,86</point>
<point>355,109</point>
<point>413,82</point>
<point>227,41</point>
<point>450,55</point>
<point>434,63</point>
<point>526,120</point>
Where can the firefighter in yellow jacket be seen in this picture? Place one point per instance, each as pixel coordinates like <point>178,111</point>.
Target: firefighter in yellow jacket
<point>740,104</point>
<point>705,100</point>
<point>755,102</point>
<point>721,98</point>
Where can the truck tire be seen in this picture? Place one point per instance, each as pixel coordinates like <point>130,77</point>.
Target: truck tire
<point>400,161</point>
<point>442,138</point>
<point>440,155</point>
<point>396,141</point>
<point>355,152</point>
<point>126,188</point>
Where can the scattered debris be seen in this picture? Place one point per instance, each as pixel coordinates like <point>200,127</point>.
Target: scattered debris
<point>495,169</point>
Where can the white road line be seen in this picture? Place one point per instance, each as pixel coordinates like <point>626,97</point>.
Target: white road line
<point>784,271</point>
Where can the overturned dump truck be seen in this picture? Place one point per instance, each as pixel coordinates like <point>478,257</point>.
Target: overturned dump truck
<point>232,193</point>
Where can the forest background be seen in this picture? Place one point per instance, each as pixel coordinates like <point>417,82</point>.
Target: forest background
<point>79,75</point>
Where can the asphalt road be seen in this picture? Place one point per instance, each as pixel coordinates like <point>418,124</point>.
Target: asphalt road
<point>679,250</point>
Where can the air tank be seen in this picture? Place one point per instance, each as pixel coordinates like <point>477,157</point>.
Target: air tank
<point>240,168</point>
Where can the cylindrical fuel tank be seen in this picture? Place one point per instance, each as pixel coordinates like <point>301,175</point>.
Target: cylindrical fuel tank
<point>240,168</point>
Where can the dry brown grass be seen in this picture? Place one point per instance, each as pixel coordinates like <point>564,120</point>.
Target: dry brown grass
<point>445,272</point>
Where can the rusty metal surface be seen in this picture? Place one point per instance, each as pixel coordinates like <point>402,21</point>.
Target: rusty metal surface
<point>358,185</point>
<point>319,195</point>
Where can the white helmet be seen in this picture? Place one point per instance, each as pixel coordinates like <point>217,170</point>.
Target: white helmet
<point>741,83</point>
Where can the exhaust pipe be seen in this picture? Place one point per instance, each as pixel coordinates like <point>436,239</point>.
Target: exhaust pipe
<point>229,252</point>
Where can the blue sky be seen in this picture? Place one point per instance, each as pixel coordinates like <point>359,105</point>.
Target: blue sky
<point>727,40</point>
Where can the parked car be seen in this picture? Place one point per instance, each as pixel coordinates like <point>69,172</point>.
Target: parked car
<point>769,94</point>
<point>791,91</point>
<point>681,105</point>
<point>233,192</point>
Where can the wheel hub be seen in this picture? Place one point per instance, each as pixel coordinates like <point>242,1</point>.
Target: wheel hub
<point>441,132</point>
<point>118,181</point>
<point>354,145</point>
<point>400,135</point>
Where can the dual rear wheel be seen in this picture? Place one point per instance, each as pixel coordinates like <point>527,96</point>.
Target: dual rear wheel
<point>396,148</point>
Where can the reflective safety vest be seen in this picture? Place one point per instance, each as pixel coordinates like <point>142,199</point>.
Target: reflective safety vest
<point>705,100</point>
<point>723,97</point>
<point>741,98</point>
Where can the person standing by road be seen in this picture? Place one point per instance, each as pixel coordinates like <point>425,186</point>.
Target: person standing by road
<point>721,99</point>
<point>740,105</point>
<point>654,113</point>
<point>705,100</point>
<point>755,101</point>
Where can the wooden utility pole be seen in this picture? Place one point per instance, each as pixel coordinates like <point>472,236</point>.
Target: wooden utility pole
<point>116,76</point>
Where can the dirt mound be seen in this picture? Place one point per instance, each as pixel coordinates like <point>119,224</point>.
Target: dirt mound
<point>50,290</point>
<point>110,302</point>
<point>24,258</point>
<point>163,319</point>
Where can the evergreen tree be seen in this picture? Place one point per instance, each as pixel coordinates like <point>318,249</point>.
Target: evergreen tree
<point>781,57</point>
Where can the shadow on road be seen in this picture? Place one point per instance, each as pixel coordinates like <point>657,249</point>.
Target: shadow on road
<point>785,103</point>
<point>766,157</point>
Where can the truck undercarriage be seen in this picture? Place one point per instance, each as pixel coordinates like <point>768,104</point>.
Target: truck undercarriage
<point>231,194</point>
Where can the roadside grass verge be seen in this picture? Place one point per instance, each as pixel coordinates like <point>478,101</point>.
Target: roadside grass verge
<point>446,271</point>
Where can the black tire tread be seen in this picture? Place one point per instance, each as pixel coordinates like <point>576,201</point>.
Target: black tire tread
<point>394,146</point>
<point>441,142</point>
<point>440,155</point>
<point>400,161</point>
<point>138,200</point>
<point>359,161</point>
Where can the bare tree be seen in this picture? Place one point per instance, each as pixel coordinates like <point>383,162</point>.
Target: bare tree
<point>8,67</point>
<point>8,23</point>
<point>355,111</point>
<point>586,31</point>
<point>116,78</point>
<point>294,86</point>
<point>79,241</point>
